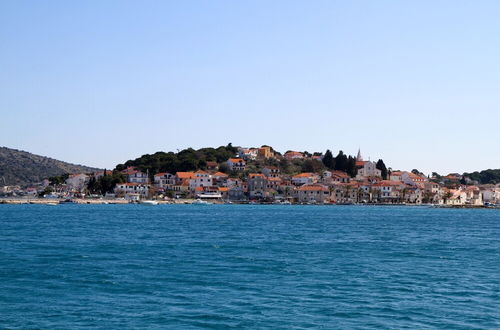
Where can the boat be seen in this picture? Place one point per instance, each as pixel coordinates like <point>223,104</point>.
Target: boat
<point>148,202</point>
<point>201,202</point>
<point>67,201</point>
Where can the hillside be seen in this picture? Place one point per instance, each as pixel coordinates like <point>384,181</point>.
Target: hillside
<point>485,177</point>
<point>24,168</point>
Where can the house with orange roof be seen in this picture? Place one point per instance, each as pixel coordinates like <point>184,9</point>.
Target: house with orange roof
<point>236,164</point>
<point>271,171</point>
<point>455,197</point>
<point>200,179</point>
<point>257,185</point>
<point>396,176</point>
<point>219,179</point>
<point>388,191</point>
<point>212,166</point>
<point>136,176</point>
<point>164,180</point>
<point>473,195</point>
<point>290,155</point>
<point>180,176</point>
<point>132,190</point>
<point>340,176</point>
<point>313,193</point>
<point>304,178</point>
<point>412,178</point>
<point>346,192</point>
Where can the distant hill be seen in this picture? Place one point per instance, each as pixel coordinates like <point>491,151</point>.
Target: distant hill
<point>485,177</point>
<point>24,168</point>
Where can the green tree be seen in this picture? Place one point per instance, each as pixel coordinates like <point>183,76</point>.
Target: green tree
<point>328,160</point>
<point>341,162</point>
<point>351,168</point>
<point>381,166</point>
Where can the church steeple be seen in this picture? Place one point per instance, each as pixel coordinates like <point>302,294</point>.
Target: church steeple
<point>359,158</point>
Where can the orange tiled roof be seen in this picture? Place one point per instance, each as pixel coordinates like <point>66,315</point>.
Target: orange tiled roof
<point>185,175</point>
<point>304,175</point>
<point>253,175</point>
<point>236,160</point>
<point>313,187</point>
<point>219,174</point>
<point>360,163</point>
<point>341,174</point>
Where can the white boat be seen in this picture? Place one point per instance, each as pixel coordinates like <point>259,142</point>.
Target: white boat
<point>149,202</point>
<point>201,202</point>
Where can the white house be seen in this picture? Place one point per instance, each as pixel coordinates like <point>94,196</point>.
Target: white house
<point>137,177</point>
<point>367,169</point>
<point>129,188</point>
<point>271,171</point>
<point>304,178</point>
<point>412,178</point>
<point>76,182</point>
<point>164,180</point>
<point>201,179</point>
<point>236,164</point>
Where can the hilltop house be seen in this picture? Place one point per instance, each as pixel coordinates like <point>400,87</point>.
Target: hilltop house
<point>290,155</point>
<point>137,177</point>
<point>236,164</point>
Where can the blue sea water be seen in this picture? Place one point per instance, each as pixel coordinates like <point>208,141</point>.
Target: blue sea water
<point>248,266</point>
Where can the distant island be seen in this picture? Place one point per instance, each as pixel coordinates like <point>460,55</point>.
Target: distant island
<point>22,168</point>
<point>246,174</point>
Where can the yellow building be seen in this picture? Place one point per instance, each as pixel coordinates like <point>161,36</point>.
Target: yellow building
<point>265,152</point>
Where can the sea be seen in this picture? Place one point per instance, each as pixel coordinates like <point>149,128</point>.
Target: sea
<point>248,266</point>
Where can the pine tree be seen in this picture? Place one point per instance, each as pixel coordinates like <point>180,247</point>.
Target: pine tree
<point>341,162</point>
<point>351,168</point>
<point>381,166</point>
<point>328,160</point>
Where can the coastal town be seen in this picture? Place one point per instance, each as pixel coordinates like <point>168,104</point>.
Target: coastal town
<point>255,175</point>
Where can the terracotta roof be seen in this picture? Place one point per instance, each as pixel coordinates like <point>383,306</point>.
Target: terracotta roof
<point>253,175</point>
<point>341,174</point>
<point>313,187</point>
<point>388,183</point>
<point>360,163</point>
<point>236,160</point>
<point>304,175</point>
<point>185,175</point>
<point>223,189</point>
<point>219,174</point>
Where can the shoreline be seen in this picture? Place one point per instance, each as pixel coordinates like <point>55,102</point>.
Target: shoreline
<point>80,201</point>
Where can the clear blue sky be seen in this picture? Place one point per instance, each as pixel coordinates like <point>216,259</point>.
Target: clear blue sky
<point>416,83</point>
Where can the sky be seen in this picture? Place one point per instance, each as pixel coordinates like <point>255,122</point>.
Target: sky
<point>415,83</point>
